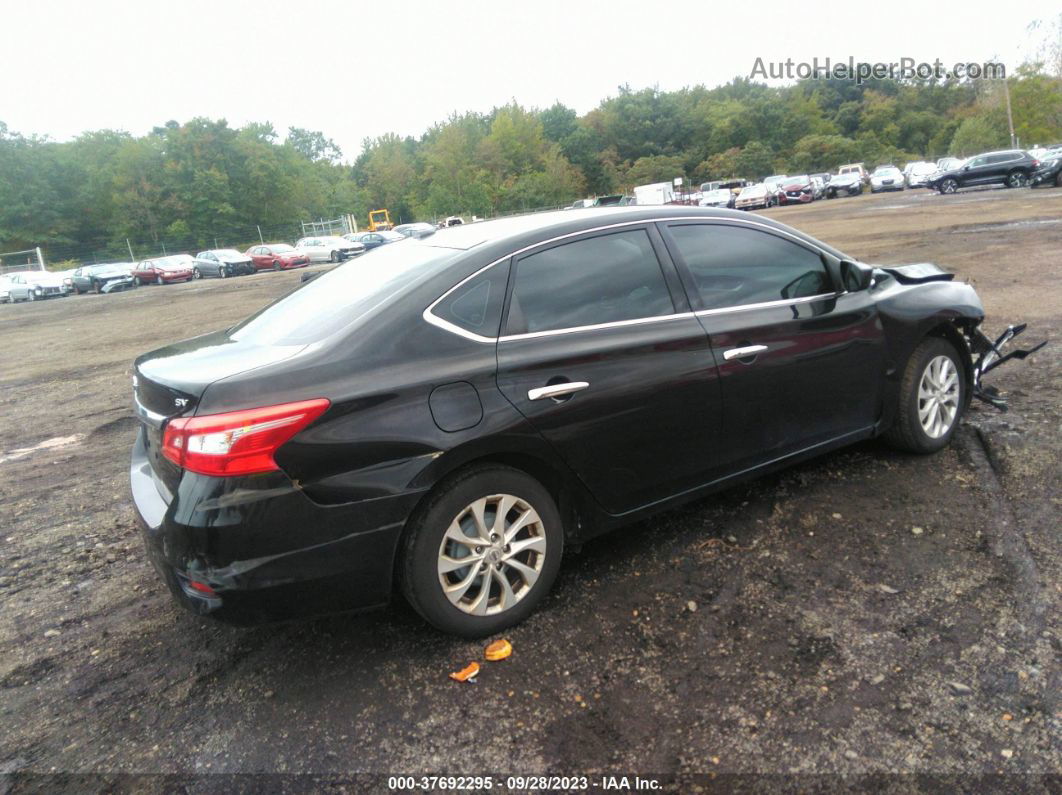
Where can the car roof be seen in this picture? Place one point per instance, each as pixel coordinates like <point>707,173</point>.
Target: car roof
<point>467,236</point>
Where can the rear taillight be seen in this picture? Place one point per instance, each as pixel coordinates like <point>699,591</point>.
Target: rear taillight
<point>237,442</point>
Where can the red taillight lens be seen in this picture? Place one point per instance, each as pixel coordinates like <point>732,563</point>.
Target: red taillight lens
<point>237,442</point>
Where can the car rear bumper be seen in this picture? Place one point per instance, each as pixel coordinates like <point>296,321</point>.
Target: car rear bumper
<point>261,547</point>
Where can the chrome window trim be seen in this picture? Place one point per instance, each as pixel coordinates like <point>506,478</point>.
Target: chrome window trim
<point>446,325</point>
<point>767,304</point>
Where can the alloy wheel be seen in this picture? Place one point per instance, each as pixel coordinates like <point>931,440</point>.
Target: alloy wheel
<point>492,554</point>
<point>1016,180</point>
<point>938,397</point>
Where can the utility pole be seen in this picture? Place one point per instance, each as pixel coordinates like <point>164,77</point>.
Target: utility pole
<point>1010,118</point>
<point>131,257</point>
<point>164,252</point>
<point>40,258</point>
<point>260,238</point>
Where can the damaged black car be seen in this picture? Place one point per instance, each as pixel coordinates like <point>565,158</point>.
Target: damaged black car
<point>444,416</point>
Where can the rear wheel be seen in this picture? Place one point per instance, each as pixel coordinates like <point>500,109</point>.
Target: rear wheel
<point>1058,179</point>
<point>482,552</point>
<point>932,398</point>
<point>1017,179</point>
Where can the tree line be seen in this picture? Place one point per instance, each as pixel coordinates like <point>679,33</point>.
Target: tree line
<point>187,185</point>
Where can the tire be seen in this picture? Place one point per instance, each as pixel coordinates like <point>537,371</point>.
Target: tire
<point>158,280</point>
<point>31,296</point>
<point>137,282</point>
<point>196,274</point>
<point>914,429</point>
<point>97,287</point>
<point>949,186</point>
<point>223,272</point>
<point>428,543</point>
<point>1017,179</point>
<point>333,257</point>
<point>276,265</point>
<point>1058,179</point>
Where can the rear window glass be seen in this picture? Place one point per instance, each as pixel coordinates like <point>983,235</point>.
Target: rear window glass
<point>342,296</point>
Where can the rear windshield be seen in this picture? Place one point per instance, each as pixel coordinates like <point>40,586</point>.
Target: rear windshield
<point>340,297</point>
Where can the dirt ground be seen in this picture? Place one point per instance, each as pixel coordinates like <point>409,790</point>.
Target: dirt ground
<point>865,614</point>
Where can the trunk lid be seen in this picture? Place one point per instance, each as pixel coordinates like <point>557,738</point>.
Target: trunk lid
<point>169,382</point>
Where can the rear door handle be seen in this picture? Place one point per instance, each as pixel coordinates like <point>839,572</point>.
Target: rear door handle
<point>743,353</point>
<point>556,390</point>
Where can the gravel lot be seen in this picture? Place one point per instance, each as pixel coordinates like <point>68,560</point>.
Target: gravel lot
<point>867,613</point>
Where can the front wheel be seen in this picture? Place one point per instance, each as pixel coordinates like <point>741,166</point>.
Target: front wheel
<point>223,272</point>
<point>196,274</point>
<point>31,296</point>
<point>932,398</point>
<point>483,551</point>
<point>333,257</point>
<point>276,266</point>
<point>949,186</point>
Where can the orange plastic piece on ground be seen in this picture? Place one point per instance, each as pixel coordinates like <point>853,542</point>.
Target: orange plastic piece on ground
<point>498,650</point>
<point>466,673</point>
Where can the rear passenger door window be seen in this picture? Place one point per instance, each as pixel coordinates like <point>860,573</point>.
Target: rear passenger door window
<point>605,279</point>
<point>731,266</point>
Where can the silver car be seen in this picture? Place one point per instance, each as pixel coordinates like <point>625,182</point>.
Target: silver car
<point>327,248</point>
<point>31,286</point>
<point>221,262</point>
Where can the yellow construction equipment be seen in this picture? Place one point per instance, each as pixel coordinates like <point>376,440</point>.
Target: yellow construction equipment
<point>380,220</point>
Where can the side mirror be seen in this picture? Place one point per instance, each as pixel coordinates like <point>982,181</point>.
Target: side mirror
<point>855,277</point>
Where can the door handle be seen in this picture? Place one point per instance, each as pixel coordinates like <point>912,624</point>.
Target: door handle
<point>743,353</point>
<point>556,390</point>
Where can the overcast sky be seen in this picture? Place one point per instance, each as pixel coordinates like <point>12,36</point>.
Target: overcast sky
<point>352,69</point>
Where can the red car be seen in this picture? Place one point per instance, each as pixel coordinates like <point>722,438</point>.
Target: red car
<point>163,270</point>
<point>796,190</point>
<point>277,256</point>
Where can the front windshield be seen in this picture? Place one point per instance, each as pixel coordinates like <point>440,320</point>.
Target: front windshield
<point>340,297</point>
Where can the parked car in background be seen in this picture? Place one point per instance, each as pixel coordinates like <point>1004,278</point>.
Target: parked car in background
<point>886,178</point>
<point>32,286</point>
<point>855,168</point>
<point>371,240</point>
<point>818,186</point>
<point>717,197</point>
<point>773,184</point>
<point>326,248</point>
<point>753,197</point>
<point>578,204</point>
<point>948,163</point>
<point>418,427</point>
<point>1012,168</point>
<point>164,270</point>
<point>796,190</point>
<point>277,256</point>
<point>613,200</point>
<point>416,230</point>
<point>104,278</point>
<point>221,262</point>
<point>918,173</point>
<point>848,184</point>
<point>1050,170</point>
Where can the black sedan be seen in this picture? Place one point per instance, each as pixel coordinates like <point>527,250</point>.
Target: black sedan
<point>449,419</point>
<point>373,240</point>
<point>1011,168</point>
